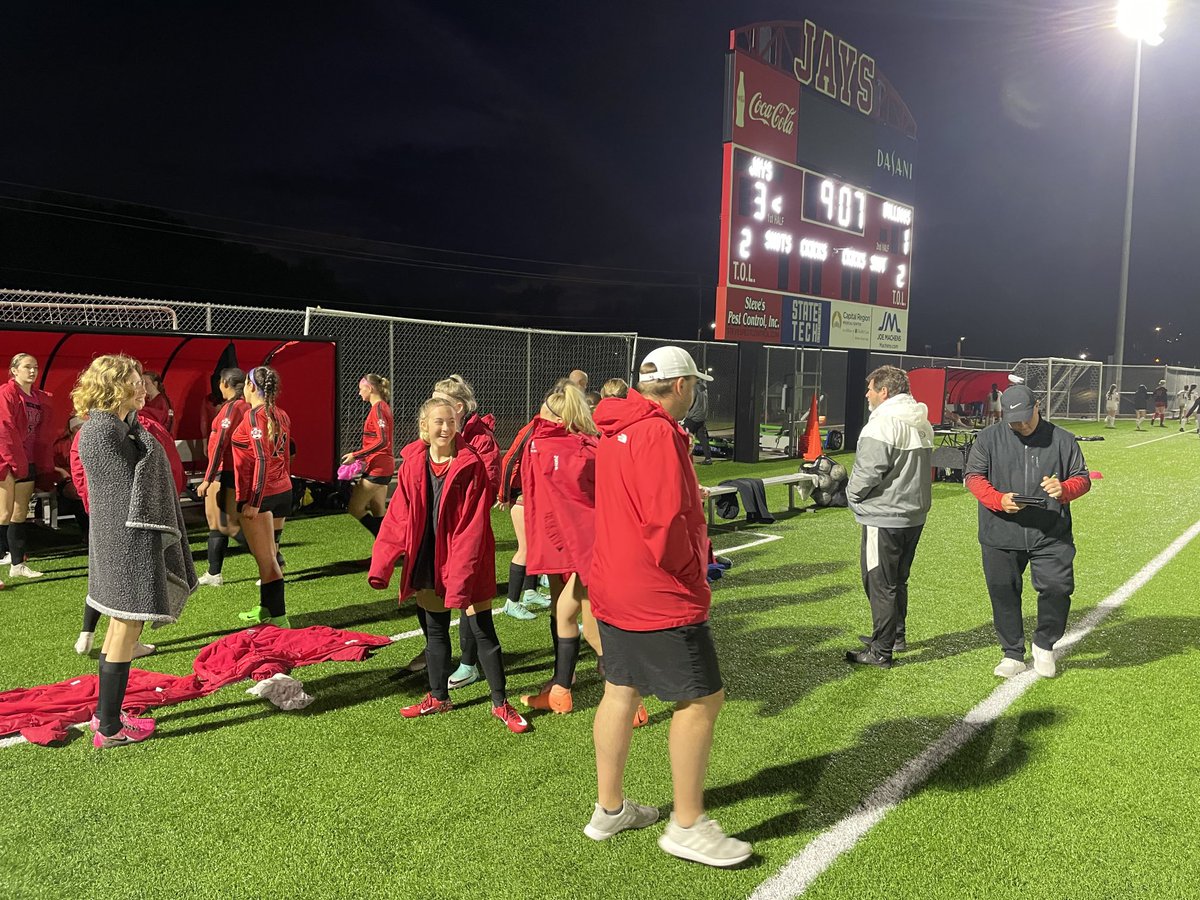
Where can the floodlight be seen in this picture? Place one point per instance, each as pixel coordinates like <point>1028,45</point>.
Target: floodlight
<point>1142,20</point>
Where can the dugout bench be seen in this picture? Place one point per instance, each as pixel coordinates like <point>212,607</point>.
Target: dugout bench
<point>797,483</point>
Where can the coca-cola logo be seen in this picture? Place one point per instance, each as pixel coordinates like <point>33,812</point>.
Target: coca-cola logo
<point>779,116</point>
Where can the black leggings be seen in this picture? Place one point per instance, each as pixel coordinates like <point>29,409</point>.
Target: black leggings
<point>437,652</point>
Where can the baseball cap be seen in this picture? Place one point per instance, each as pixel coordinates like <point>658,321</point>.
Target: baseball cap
<point>671,362</point>
<point>1017,403</point>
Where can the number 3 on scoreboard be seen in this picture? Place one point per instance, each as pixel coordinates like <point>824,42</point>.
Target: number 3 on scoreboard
<point>744,246</point>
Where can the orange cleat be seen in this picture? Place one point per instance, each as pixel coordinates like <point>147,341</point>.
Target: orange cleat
<point>641,717</point>
<point>555,698</point>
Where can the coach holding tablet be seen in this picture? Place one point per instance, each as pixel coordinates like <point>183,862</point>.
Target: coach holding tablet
<point>1025,471</point>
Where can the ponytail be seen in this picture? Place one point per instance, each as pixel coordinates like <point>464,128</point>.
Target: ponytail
<point>266,382</point>
<point>379,385</point>
<point>569,403</point>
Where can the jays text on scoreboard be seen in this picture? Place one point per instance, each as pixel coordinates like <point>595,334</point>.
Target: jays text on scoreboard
<point>817,208</point>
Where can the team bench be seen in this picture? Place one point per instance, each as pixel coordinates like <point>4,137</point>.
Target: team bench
<point>797,482</point>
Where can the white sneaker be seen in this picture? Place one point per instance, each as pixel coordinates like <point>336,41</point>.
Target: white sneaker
<point>1009,667</point>
<point>23,571</point>
<point>6,559</point>
<point>632,815</point>
<point>1043,662</point>
<point>704,842</point>
<point>84,644</point>
<point>211,580</point>
<point>140,650</point>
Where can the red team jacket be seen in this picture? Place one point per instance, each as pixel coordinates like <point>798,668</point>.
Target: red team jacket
<point>650,561</point>
<point>160,410</point>
<point>376,453</point>
<point>79,478</point>
<point>220,443</point>
<point>465,554</point>
<point>18,445</point>
<point>510,468</point>
<point>558,482</point>
<point>480,432</point>
<point>261,466</point>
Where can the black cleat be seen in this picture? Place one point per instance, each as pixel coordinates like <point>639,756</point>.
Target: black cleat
<point>867,657</point>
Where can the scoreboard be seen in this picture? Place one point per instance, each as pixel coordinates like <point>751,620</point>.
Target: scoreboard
<point>817,204</point>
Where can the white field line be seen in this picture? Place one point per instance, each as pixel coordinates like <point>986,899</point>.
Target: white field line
<point>1173,434</point>
<point>798,874</point>
<point>17,739</point>
<point>763,539</point>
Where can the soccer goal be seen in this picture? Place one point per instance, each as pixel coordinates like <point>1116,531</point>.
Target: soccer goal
<point>59,310</point>
<point>1065,388</point>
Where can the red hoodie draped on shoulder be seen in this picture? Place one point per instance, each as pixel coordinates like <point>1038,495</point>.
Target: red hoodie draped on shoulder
<point>24,442</point>
<point>650,561</point>
<point>558,482</point>
<point>480,432</point>
<point>465,548</point>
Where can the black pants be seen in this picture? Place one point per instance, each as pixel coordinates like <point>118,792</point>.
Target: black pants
<point>1052,571</point>
<point>886,556</point>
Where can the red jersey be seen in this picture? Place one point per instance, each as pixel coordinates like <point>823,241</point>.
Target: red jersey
<point>260,464</point>
<point>650,562</point>
<point>25,433</point>
<point>558,483</point>
<point>464,562</point>
<point>480,432</point>
<point>376,452</point>
<point>220,444</point>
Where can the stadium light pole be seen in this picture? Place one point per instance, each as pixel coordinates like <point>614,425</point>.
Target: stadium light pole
<point>1144,21</point>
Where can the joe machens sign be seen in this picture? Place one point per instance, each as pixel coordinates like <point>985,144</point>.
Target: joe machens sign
<point>817,214</point>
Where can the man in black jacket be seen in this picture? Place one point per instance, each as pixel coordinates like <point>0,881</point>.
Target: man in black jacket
<point>1025,456</point>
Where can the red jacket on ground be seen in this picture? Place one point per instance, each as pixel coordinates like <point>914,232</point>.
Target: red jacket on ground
<point>79,477</point>
<point>558,482</point>
<point>465,557</point>
<point>19,447</point>
<point>220,437</point>
<point>43,714</point>
<point>261,466</point>
<point>480,432</point>
<point>376,452</point>
<point>650,561</point>
<point>510,468</point>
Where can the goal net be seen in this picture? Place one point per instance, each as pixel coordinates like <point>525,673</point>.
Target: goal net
<point>1065,388</point>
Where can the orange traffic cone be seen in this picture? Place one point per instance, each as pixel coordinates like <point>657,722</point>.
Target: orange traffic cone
<point>812,433</point>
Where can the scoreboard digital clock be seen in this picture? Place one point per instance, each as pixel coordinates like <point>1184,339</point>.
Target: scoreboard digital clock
<point>817,212</point>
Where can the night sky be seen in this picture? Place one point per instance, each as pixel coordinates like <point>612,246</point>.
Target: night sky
<point>576,148</point>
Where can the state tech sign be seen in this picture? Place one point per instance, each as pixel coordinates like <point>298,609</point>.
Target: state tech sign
<point>817,207</point>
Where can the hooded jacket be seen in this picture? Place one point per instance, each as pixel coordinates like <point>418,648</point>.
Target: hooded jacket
<point>509,489</point>
<point>558,482</point>
<point>464,564</point>
<point>650,561</point>
<point>480,432</point>
<point>889,486</point>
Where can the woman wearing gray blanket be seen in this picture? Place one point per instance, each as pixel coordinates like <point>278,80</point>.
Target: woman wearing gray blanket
<point>139,563</point>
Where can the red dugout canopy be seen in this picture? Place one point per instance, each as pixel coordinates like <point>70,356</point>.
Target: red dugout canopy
<point>937,387</point>
<point>189,364</point>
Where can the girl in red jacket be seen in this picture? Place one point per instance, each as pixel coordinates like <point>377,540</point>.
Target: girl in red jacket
<point>369,498</point>
<point>217,488</point>
<point>558,479</point>
<point>439,522</point>
<point>26,457</point>
<point>158,404</point>
<point>264,488</point>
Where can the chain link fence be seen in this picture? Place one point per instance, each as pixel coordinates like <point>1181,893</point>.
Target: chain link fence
<point>1129,378</point>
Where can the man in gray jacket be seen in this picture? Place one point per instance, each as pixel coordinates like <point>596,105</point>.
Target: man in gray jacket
<point>890,494</point>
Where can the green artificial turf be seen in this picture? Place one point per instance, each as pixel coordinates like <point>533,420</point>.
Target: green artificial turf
<point>1083,788</point>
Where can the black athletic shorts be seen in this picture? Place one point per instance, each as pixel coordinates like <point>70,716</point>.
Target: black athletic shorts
<point>279,505</point>
<point>32,476</point>
<point>227,480</point>
<point>377,479</point>
<point>673,664</point>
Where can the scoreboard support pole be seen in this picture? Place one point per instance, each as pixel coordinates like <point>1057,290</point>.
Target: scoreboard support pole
<point>751,372</point>
<point>858,366</point>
